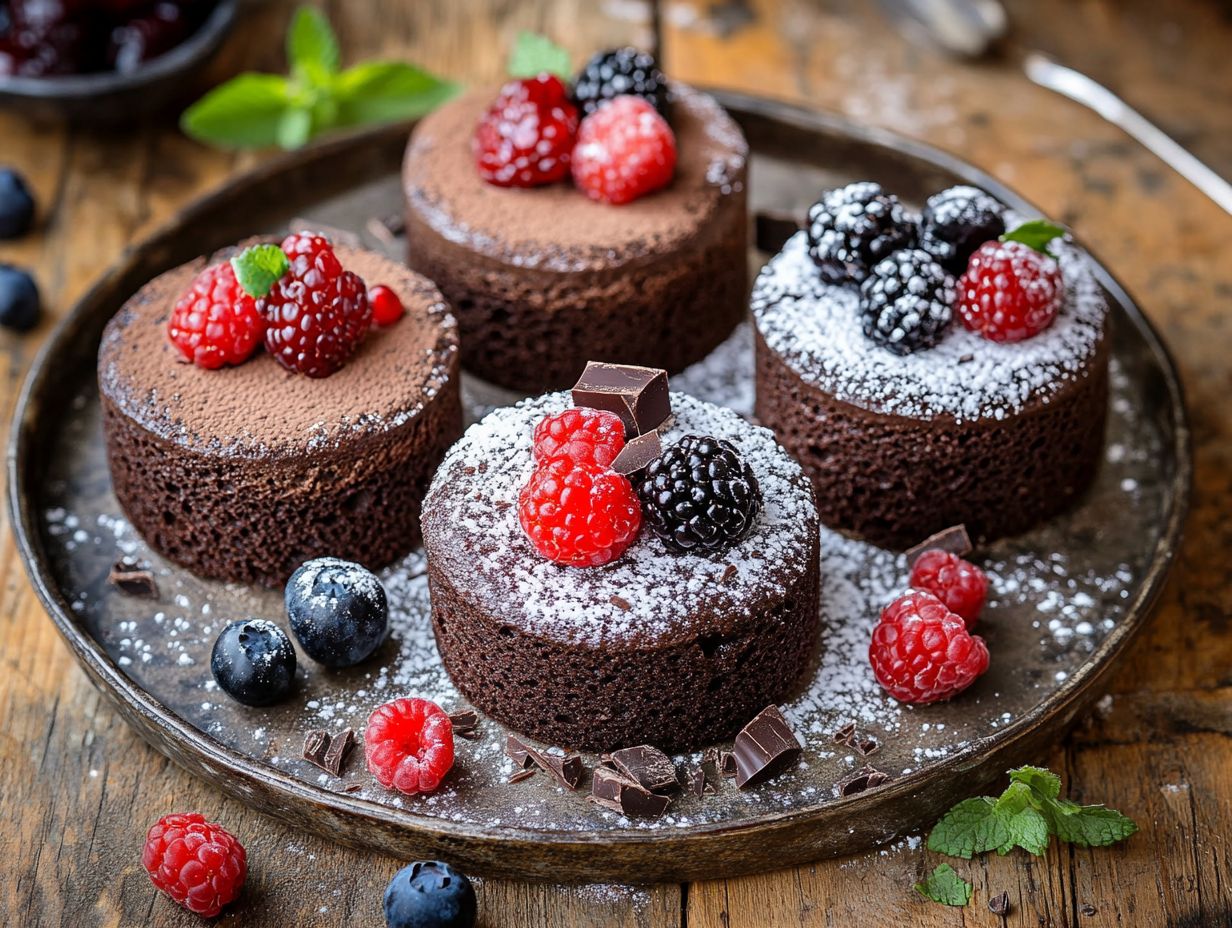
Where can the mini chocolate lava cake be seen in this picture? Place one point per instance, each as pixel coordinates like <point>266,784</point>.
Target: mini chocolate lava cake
<point>903,441</point>
<point>661,647</point>
<point>542,277</point>
<point>243,473</point>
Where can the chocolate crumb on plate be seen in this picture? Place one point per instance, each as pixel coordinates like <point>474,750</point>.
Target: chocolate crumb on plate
<point>764,748</point>
<point>954,540</point>
<point>610,789</point>
<point>518,750</point>
<point>465,722</point>
<point>130,577</point>
<point>354,788</point>
<point>867,746</point>
<point>519,775</point>
<point>647,766</point>
<point>316,743</point>
<point>845,735</point>
<point>999,904</point>
<point>859,780</point>
<point>727,764</point>
<point>697,782</point>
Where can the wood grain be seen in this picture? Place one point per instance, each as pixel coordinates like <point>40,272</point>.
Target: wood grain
<point>77,789</point>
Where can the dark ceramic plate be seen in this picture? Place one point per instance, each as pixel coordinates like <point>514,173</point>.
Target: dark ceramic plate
<point>1068,597</point>
<point>111,99</point>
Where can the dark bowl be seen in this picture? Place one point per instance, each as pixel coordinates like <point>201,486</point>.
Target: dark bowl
<point>108,98</point>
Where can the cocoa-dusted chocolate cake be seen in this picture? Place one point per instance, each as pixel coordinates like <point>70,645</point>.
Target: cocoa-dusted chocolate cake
<point>542,277</point>
<point>657,646</point>
<point>903,440</point>
<point>245,472</point>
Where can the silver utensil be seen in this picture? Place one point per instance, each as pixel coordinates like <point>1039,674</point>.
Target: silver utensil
<point>965,28</point>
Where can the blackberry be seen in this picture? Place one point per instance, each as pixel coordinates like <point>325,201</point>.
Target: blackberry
<point>619,72</point>
<point>852,228</point>
<point>957,221</point>
<point>700,495</point>
<point>907,301</point>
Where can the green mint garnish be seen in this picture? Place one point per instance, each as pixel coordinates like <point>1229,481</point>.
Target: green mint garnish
<point>262,110</point>
<point>945,886</point>
<point>1036,233</point>
<point>258,267</point>
<point>534,54</point>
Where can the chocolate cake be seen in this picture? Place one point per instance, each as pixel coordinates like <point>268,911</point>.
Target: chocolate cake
<point>542,277</point>
<point>675,650</point>
<point>998,436</point>
<point>244,473</point>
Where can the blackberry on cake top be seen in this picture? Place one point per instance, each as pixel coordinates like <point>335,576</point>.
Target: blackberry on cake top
<point>620,72</point>
<point>957,221</point>
<point>851,228</point>
<point>906,302</point>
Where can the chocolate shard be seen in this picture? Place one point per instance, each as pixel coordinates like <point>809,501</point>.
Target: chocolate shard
<point>954,539</point>
<point>845,735</point>
<point>727,764</point>
<point>340,746</point>
<point>567,769</point>
<point>764,748</point>
<point>867,746</point>
<point>612,790</point>
<point>858,781</point>
<point>316,743</point>
<point>518,750</point>
<point>647,766</point>
<point>999,904</point>
<point>637,394</point>
<point>697,782</point>
<point>520,775</point>
<point>464,720</point>
<point>637,454</point>
<point>130,577</point>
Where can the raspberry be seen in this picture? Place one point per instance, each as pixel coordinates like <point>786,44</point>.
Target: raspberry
<point>409,745</point>
<point>617,72</point>
<point>700,495</point>
<point>525,139</point>
<point>906,301</point>
<point>1009,291</point>
<point>197,863</point>
<point>591,436</point>
<point>316,313</point>
<point>577,513</point>
<point>216,322</point>
<point>921,652</point>
<point>959,584</point>
<point>625,150</point>
<point>852,228</point>
<point>386,307</point>
<point>957,221</point>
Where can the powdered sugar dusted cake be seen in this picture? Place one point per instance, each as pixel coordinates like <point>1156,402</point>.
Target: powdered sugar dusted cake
<point>656,646</point>
<point>997,435</point>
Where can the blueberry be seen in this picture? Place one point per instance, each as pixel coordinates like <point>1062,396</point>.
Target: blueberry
<point>429,894</point>
<point>254,662</point>
<point>337,610</point>
<point>20,306</point>
<point>16,205</point>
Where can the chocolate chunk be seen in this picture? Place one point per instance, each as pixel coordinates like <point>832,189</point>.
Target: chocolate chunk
<point>130,577</point>
<point>519,750</point>
<point>520,775</point>
<point>858,781</point>
<point>697,782</point>
<point>999,904</point>
<point>340,746</point>
<point>637,394</point>
<point>771,230</point>
<point>620,603</point>
<point>764,748</point>
<point>845,735</point>
<point>464,720</point>
<point>613,791</point>
<point>637,454</point>
<point>954,539</point>
<point>647,766</point>
<point>867,746</point>
<point>567,769</point>
<point>316,743</point>
<point>727,763</point>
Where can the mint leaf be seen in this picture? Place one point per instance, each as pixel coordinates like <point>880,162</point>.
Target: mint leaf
<point>385,91</point>
<point>1044,782</point>
<point>242,113</point>
<point>971,827</point>
<point>294,128</point>
<point>533,54</point>
<point>945,886</point>
<point>1036,233</point>
<point>312,47</point>
<point>1088,826</point>
<point>258,267</point>
<point>1025,826</point>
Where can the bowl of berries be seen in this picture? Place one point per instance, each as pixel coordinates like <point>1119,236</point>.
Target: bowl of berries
<point>105,62</point>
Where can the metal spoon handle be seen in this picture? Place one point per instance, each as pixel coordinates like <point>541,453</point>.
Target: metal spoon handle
<point>1082,89</point>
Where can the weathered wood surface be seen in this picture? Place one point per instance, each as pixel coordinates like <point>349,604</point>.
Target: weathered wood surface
<point>78,789</point>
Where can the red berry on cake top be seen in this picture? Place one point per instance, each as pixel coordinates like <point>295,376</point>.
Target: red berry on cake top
<point>197,863</point>
<point>625,150</point>
<point>958,583</point>
<point>386,307</point>
<point>1012,288</point>
<point>526,137</point>
<point>591,436</point>
<point>409,745</point>
<point>921,652</point>
<point>577,513</point>
<point>215,323</point>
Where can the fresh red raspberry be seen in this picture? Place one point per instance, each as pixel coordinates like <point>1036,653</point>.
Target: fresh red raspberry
<point>386,307</point>
<point>197,863</point>
<point>578,513</point>
<point>216,322</point>
<point>625,150</point>
<point>525,139</point>
<point>921,652</point>
<point>959,584</point>
<point>592,436</point>
<point>1009,291</point>
<point>316,314</point>
<point>409,745</point>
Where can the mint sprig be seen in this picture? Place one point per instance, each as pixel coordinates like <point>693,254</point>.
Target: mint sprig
<point>258,267</point>
<point>945,886</point>
<point>535,54</point>
<point>264,110</point>
<point>1035,233</point>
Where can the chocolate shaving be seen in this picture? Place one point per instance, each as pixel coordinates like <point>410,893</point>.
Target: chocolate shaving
<point>727,764</point>
<point>343,237</point>
<point>647,766</point>
<point>845,735</point>
<point>518,750</point>
<point>354,788</point>
<point>764,748</point>
<point>316,743</point>
<point>637,454</point>
<point>858,781</point>
<point>999,904</point>
<point>613,791</point>
<point>954,539</point>
<point>502,504</point>
<point>728,572</point>
<point>637,394</point>
<point>867,746</point>
<point>621,603</point>
<point>566,769</point>
<point>697,782</point>
<point>464,719</point>
<point>771,230</point>
<point>129,577</point>
<point>328,752</point>
<point>520,775</point>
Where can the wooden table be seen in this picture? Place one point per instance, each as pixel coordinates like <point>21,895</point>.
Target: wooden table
<point>78,789</point>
